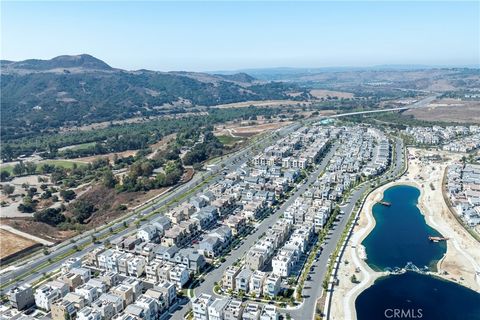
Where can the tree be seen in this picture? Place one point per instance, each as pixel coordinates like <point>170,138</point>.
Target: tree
<point>7,153</point>
<point>109,180</point>
<point>19,168</point>
<point>8,189</point>
<point>82,210</point>
<point>67,195</point>
<point>28,205</point>
<point>353,279</point>
<point>51,216</point>
<point>31,191</point>
<point>4,175</point>
<point>30,167</point>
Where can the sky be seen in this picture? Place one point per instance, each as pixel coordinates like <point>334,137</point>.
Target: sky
<point>206,36</point>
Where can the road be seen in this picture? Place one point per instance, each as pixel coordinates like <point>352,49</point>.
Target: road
<point>231,162</point>
<point>419,104</point>
<point>216,275</point>
<point>313,289</point>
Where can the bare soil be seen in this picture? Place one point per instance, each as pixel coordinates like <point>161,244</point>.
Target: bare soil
<point>108,203</point>
<point>11,243</point>
<point>110,156</point>
<point>318,93</point>
<point>449,110</point>
<point>38,229</point>
<point>240,130</point>
<point>266,103</point>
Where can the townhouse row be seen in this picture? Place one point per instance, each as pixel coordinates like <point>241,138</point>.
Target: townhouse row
<point>205,307</point>
<point>463,189</point>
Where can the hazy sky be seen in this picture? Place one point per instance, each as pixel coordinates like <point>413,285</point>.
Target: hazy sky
<point>233,35</point>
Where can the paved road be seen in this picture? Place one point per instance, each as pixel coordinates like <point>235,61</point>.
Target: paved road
<point>419,104</point>
<point>313,289</point>
<point>231,162</point>
<point>216,275</point>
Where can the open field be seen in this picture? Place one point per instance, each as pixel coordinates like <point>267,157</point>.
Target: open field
<point>266,103</point>
<point>319,93</point>
<point>78,146</point>
<point>11,243</point>
<point>110,156</point>
<point>159,145</point>
<point>59,163</point>
<point>245,130</point>
<point>449,110</point>
<point>228,140</point>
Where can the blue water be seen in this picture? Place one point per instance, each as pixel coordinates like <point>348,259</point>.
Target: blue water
<point>401,236</point>
<point>417,295</point>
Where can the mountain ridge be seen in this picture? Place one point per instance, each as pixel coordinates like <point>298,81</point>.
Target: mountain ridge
<point>39,95</point>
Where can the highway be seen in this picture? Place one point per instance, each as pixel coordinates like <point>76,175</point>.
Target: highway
<point>419,104</point>
<point>206,286</point>
<point>231,162</point>
<point>313,289</point>
<point>24,273</point>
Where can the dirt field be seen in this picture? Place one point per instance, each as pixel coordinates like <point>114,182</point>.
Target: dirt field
<point>449,110</point>
<point>318,93</point>
<point>267,103</point>
<point>110,156</point>
<point>163,142</point>
<point>155,147</point>
<point>237,130</point>
<point>11,243</point>
<point>38,229</point>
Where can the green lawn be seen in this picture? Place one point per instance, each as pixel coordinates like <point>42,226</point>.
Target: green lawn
<point>9,169</point>
<point>228,140</point>
<point>63,163</point>
<point>58,163</point>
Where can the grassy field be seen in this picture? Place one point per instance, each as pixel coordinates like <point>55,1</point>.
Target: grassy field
<point>59,163</point>
<point>228,140</point>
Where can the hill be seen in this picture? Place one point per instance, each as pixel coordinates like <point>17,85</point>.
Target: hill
<point>39,95</point>
<point>80,62</point>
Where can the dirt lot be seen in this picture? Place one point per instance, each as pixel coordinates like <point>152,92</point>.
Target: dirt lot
<point>449,110</point>
<point>110,156</point>
<point>11,243</point>
<point>243,130</point>
<point>38,229</point>
<point>267,103</point>
<point>155,147</point>
<point>318,93</point>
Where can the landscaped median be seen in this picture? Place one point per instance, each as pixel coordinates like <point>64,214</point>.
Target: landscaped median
<point>254,143</point>
<point>343,241</point>
<point>313,252</point>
